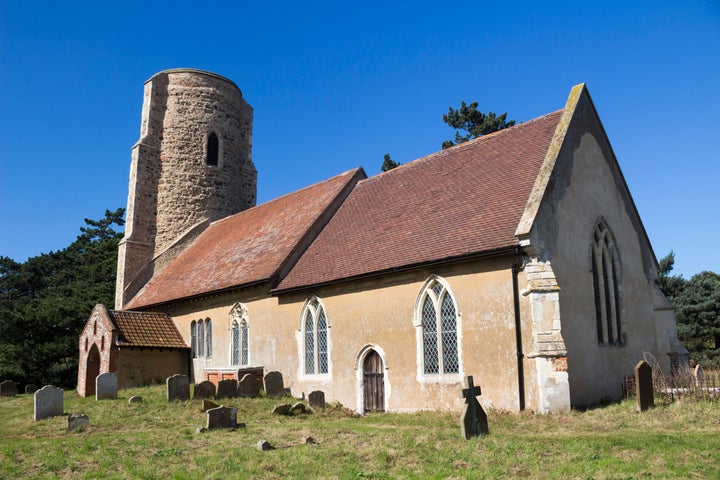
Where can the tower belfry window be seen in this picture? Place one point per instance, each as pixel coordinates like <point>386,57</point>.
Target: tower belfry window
<point>213,150</point>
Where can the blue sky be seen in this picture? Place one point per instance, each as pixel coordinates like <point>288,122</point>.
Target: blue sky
<point>335,86</point>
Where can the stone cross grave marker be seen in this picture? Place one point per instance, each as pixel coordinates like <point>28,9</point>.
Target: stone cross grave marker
<point>644,386</point>
<point>273,384</point>
<point>8,388</point>
<point>106,386</point>
<point>249,386</point>
<point>204,389</point>
<point>178,387</point>
<point>473,420</point>
<point>221,417</point>
<point>48,402</point>
<point>227,388</point>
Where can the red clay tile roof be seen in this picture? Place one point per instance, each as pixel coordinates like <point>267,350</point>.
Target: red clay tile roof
<point>248,247</point>
<point>461,201</point>
<point>146,329</point>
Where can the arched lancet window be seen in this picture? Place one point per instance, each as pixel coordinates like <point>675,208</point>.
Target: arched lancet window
<point>193,339</point>
<point>208,338</point>
<point>213,150</point>
<point>607,286</point>
<point>315,338</point>
<point>239,347</point>
<point>437,319</point>
<point>201,338</point>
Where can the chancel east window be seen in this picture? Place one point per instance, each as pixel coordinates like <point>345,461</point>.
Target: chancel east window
<point>315,338</point>
<point>437,321</point>
<point>607,286</point>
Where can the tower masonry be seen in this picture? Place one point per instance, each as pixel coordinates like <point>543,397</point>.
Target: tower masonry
<point>192,165</point>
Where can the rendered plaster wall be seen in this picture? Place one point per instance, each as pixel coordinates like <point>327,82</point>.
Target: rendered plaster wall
<point>587,185</point>
<point>138,367</point>
<point>380,314</point>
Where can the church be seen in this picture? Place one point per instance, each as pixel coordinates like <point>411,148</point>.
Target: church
<point>518,258</point>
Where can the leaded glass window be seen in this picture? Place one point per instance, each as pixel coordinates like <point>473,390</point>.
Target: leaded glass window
<point>193,338</point>
<point>235,357</point>
<point>201,338</point>
<point>208,338</point>
<point>315,335</point>
<point>438,322</point>
<point>607,287</point>
<point>239,340</point>
<point>244,351</point>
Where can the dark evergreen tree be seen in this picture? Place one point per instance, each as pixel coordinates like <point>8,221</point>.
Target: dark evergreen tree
<point>697,309</point>
<point>670,285</point>
<point>474,122</point>
<point>388,163</point>
<point>45,302</point>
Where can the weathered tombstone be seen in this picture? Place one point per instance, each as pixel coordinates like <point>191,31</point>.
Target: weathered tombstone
<point>273,384</point>
<point>249,386</point>
<point>264,445</point>
<point>227,388</point>
<point>178,387</point>
<point>221,417</point>
<point>207,405</point>
<point>317,399</point>
<point>135,399</point>
<point>30,388</point>
<point>48,402</point>
<point>644,386</point>
<point>473,420</point>
<point>76,421</point>
<point>298,408</point>
<point>699,375</point>
<point>106,386</point>
<point>204,389</point>
<point>8,388</point>
<point>281,409</point>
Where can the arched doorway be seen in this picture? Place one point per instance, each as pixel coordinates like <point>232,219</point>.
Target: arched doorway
<point>92,370</point>
<point>373,382</point>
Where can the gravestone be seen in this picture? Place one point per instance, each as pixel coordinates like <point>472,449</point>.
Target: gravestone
<point>204,389</point>
<point>135,399</point>
<point>30,388</point>
<point>281,409</point>
<point>8,388</point>
<point>178,387</point>
<point>298,408</point>
<point>207,405</point>
<point>249,386</point>
<point>699,375</point>
<point>221,417</point>
<point>77,421</point>
<point>106,386</point>
<point>317,399</point>
<point>264,445</point>
<point>644,386</point>
<point>227,388</point>
<point>473,420</point>
<point>273,384</point>
<point>48,402</point>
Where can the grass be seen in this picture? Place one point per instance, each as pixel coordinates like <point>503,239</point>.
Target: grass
<point>157,439</point>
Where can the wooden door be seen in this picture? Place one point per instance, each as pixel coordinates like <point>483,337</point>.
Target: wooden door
<point>374,383</point>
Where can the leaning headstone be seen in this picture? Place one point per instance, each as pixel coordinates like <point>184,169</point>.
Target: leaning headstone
<point>30,388</point>
<point>204,389</point>
<point>298,408</point>
<point>207,405</point>
<point>135,399</point>
<point>273,384</point>
<point>8,388</point>
<point>178,387</point>
<point>76,421</point>
<point>106,386</point>
<point>221,417</point>
<point>473,420</point>
<point>48,402</point>
<point>317,399</point>
<point>699,375</point>
<point>644,386</point>
<point>281,409</point>
<point>227,388</point>
<point>249,386</point>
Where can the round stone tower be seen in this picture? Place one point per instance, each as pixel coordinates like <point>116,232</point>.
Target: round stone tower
<point>192,165</point>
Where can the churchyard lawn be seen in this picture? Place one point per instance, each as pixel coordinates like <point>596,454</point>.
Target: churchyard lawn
<point>157,440</point>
